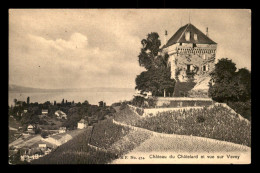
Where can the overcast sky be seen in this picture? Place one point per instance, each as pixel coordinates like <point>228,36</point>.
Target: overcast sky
<point>99,48</point>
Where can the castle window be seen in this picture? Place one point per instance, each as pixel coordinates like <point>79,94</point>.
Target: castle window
<point>187,36</point>
<point>195,37</point>
<point>194,45</point>
<point>180,44</point>
<point>188,67</point>
<point>204,68</point>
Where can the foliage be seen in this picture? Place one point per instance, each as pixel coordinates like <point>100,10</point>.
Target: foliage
<point>242,108</point>
<point>219,123</point>
<point>149,51</point>
<point>44,134</point>
<point>231,86</point>
<point>37,131</point>
<point>181,88</point>
<point>138,101</point>
<point>157,76</point>
<point>228,85</point>
<point>140,111</point>
<point>200,119</point>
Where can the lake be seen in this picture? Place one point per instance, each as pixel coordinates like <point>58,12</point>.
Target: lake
<point>91,97</point>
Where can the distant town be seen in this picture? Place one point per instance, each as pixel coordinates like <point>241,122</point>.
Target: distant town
<point>35,129</point>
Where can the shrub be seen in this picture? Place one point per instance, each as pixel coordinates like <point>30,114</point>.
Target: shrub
<point>242,108</point>
<point>138,101</point>
<point>200,119</point>
<point>151,102</point>
<point>140,111</point>
<point>37,131</point>
<point>44,134</point>
<point>123,106</point>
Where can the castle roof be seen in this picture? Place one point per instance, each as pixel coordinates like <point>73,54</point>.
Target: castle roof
<point>179,36</point>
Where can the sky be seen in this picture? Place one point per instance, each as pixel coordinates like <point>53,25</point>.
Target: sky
<point>81,48</point>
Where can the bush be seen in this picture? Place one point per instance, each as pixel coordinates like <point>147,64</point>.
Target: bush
<point>138,101</point>
<point>140,111</point>
<point>44,134</point>
<point>151,102</point>
<point>200,119</point>
<point>242,108</point>
<point>37,131</point>
<point>123,106</point>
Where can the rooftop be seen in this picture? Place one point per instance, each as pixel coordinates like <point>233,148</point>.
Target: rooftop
<point>179,36</point>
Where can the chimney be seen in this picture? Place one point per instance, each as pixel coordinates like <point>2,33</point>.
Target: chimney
<point>207,31</point>
<point>165,37</point>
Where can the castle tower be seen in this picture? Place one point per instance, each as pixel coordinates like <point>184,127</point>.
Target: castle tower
<point>191,55</point>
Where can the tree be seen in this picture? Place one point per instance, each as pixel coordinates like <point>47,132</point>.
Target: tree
<point>228,85</point>
<point>28,100</point>
<point>243,78</point>
<point>157,77</point>
<point>44,134</point>
<point>15,102</point>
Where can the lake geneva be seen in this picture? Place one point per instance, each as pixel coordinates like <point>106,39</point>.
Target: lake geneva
<point>76,96</point>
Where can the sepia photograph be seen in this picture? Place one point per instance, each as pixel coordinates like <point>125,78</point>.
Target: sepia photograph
<point>129,86</point>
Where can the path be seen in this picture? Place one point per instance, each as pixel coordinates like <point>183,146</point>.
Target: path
<point>171,144</point>
<point>166,146</point>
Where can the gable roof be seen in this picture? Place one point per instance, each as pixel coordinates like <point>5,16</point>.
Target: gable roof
<point>82,121</point>
<point>179,36</point>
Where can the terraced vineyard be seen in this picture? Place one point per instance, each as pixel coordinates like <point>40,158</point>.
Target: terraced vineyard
<point>216,123</point>
<point>114,140</point>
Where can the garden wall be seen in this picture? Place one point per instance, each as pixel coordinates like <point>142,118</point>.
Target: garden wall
<point>182,102</point>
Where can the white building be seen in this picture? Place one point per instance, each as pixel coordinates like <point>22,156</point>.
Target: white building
<point>45,111</point>
<point>30,127</point>
<point>82,124</point>
<point>62,130</point>
<point>60,114</point>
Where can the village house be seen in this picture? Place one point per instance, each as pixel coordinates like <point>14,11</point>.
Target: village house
<point>30,128</point>
<point>29,154</point>
<point>42,145</point>
<point>62,129</point>
<point>44,111</point>
<point>60,115</point>
<point>82,124</point>
<point>191,56</point>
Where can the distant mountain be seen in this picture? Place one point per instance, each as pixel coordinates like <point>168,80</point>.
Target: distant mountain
<point>22,89</point>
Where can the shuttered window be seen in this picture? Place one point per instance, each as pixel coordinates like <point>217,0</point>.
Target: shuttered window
<point>195,37</point>
<point>187,36</point>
